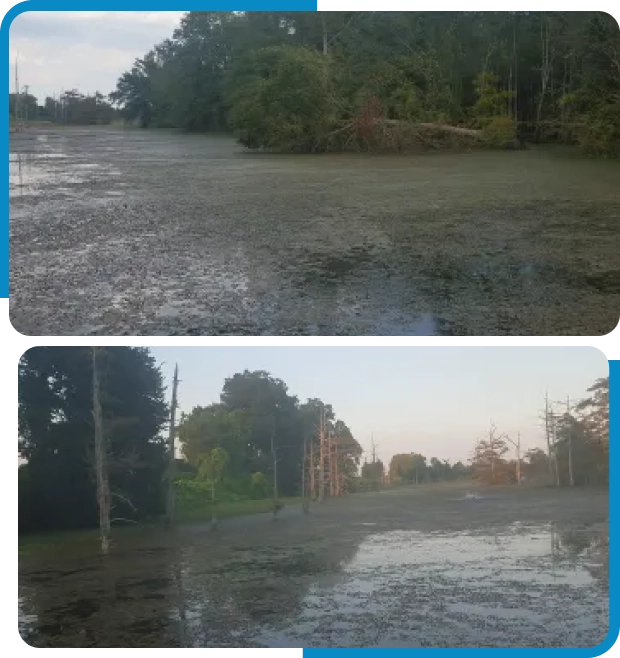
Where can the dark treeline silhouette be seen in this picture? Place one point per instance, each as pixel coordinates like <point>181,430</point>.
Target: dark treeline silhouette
<point>71,108</point>
<point>413,468</point>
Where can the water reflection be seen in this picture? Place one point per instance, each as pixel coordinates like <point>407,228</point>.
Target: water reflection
<point>523,585</point>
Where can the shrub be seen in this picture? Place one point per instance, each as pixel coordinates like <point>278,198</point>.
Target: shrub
<point>499,131</point>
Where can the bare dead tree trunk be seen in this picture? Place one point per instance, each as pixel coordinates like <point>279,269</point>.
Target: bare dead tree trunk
<point>544,67</point>
<point>569,429</point>
<point>171,462</point>
<point>275,468</point>
<point>516,65</point>
<point>312,483</point>
<point>336,473</point>
<point>323,25</point>
<point>330,463</point>
<point>101,466</point>
<point>548,437</point>
<point>517,446</point>
<point>322,457</point>
<point>555,451</point>
<point>304,493</point>
<point>518,457</point>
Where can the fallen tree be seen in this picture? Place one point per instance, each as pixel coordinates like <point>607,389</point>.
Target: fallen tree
<point>381,134</point>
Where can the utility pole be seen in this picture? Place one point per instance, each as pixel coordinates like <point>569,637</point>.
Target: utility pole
<point>373,449</point>
<point>101,469</point>
<point>569,429</point>
<point>171,460</point>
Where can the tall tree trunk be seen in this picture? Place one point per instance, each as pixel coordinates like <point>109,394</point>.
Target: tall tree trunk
<point>312,483</point>
<point>571,481</point>
<point>544,69</point>
<point>101,466</point>
<point>304,492</point>
<point>213,507</point>
<point>275,469</point>
<point>322,457</point>
<point>548,437</point>
<point>171,456</point>
<point>323,25</point>
<point>519,458</point>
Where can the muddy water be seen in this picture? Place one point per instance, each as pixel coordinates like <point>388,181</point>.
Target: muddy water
<point>132,232</point>
<point>372,571</point>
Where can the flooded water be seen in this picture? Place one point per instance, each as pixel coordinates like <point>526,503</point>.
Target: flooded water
<point>332,579</point>
<point>151,232</point>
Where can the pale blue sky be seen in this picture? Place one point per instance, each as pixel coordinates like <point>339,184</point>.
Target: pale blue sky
<point>435,401</point>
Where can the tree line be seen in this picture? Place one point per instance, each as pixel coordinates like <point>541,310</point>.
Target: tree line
<point>92,424</point>
<point>312,81</point>
<point>414,468</point>
<point>577,446</point>
<point>258,441</point>
<point>71,108</point>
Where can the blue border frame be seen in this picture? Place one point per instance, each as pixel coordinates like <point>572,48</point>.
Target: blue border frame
<point>280,5</point>
<point>99,5</point>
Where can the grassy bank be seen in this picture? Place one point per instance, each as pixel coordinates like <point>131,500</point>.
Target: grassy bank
<point>31,543</point>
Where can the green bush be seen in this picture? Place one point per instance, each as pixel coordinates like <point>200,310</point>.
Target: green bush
<point>259,486</point>
<point>282,99</point>
<point>601,134</point>
<point>499,131</point>
<point>192,494</point>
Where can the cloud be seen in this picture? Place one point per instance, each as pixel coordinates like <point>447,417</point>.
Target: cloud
<point>83,50</point>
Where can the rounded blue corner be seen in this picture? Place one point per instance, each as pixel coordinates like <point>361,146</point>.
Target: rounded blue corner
<point>607,643</point>
<point>13,13</point>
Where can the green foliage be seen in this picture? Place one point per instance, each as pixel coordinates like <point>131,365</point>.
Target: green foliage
<point>364,485</point>
<point>373,470</point>
<point>282,99</point>
<point>499,131</point>
<point>265,75</point>
<point>601,133</point>
<point>410,467</point>
<point>259,485</point>
<point>212,465</point>
<point>57,486</point>
<point>192,494</point>
<point>492,103</point>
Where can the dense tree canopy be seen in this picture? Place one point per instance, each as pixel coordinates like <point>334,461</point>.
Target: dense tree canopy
<point>255,414</point>
<point>56,435</point>
<point>313,80</point>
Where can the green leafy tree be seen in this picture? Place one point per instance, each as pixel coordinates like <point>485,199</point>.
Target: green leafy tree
<point>281,98</point>
<point>211,469</point>
<point>56,435</point>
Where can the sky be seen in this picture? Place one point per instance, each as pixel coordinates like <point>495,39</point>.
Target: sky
<point>82,50</point>
<point>435,401</point>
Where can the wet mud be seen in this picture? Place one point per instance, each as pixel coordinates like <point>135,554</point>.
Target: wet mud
<point>423,567</point>
<point>153,233</point>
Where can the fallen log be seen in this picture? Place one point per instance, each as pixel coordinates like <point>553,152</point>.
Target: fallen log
<point>439,127</point>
